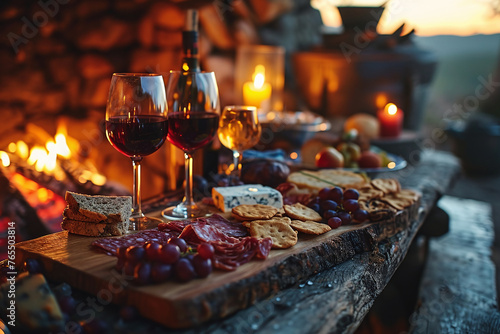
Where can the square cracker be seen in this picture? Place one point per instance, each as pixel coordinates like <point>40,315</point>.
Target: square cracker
<point>301,212</point>
<point>285,220</point>
<point>310,227</point>
<point>282,235</point>
<point>253,211</point>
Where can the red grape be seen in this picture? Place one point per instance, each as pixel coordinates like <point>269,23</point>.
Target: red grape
<point>205,250</point>
<point>335,194</point>
<point>128,268</point>
<point>152,251</point>
<point>202,266</point>
<point>334,222</point>
<point>323,194</point>
<point>169,253</point>
<point>184,270</point>
<point>315,207</point>
<point>350,205</point>
<point>121,252</point>
<point>351,194</point>
<point>67,304</point>
<point>329,205</point>
<point>179,242</point>
<point>160,272</point>
<point>135,253</point>
<point>360,215</point>
<point>329,214</point>
<point>32,266</point>
<point>142,273</point>
<point>345,217</point>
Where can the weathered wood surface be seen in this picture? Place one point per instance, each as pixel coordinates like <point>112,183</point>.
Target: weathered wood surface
<point>458,293</point>
<point>336,299</point>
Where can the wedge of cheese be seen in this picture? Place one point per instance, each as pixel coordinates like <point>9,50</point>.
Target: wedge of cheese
<point>226,198</point>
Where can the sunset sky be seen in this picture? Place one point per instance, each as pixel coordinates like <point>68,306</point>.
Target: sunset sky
<point>428,17</point>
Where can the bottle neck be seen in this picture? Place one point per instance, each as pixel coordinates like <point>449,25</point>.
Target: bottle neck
<point>191,59</point>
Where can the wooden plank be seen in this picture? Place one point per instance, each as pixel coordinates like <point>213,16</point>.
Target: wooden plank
<point>458,292</point>
<point>69,258</point>
<point>339,297</point>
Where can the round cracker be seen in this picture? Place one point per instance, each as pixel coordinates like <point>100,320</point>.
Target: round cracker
<point>253,211</point>
<point>301,212</point>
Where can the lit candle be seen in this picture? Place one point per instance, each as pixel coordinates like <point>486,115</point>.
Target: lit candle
<point>258,92</point>
<point>391,120</point>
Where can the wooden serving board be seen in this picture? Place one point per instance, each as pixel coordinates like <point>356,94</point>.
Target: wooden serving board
<point>69,258</point>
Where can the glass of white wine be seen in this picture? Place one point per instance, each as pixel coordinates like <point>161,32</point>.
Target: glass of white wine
<point>239,130</point>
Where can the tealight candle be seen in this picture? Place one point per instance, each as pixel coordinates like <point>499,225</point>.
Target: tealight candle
<point>258,92</point>
<point>390,120</point>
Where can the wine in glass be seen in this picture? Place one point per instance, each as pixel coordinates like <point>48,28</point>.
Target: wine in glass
<point>193,119</point>
<point>239,129</point>
<point>136,125</point>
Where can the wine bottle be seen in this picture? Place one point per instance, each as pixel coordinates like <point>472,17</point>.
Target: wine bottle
<point>209,155</point>
<point>191,59</point>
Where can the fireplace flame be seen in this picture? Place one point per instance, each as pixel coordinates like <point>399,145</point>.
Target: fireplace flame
<point>4,157</point>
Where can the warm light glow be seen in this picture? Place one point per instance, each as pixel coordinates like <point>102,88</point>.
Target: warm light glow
<point>22,149</point>
<point>467,17</point>
<point>98,179</point>
<point>323,127</point>
<point>62,148</point>
<point>294,155</point>
<point>43,194</point>
<point>12,147</point>
<point>391,108</point>
<point>259,76</point>
<point>4,157</point>
<point>391,165</point>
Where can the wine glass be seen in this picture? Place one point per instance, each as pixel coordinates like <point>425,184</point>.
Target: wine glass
<point>239,129</point>
<point>136,125</point>
<point>193,119</point>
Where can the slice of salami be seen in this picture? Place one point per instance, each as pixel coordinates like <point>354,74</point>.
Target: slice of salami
<point>110,245</point>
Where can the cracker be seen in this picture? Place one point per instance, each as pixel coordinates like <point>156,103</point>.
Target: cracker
<point>301,212</point>
<point>396,201</point>
<point>285,220</point>
<point>282,234</point>
<point>387,186</point>
<point>310,227</point>
<point>377,209</point>
<point>253,211</point>
<point>367,193</point>
<point>326,178</point>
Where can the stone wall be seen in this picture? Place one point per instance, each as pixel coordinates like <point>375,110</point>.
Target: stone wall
<point>58,56</point>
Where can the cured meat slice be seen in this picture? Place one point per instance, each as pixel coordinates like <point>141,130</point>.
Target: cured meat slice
<point>202,232</point>
<point>110,245</point>
<point>232,229</point>
<point>229,256</point>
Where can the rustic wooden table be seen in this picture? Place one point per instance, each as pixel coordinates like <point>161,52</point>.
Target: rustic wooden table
<point>336,298</point>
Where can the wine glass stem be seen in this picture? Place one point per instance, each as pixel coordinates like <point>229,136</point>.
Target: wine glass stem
<point>237,158</point>
<point>188,160</point>
<point>136,198</point>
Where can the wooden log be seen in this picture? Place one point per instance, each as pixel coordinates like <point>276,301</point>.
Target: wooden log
<point>15,206</point>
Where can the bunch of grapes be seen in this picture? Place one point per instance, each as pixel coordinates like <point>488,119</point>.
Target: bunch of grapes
<point>338,207</point>
<point>156,263</point>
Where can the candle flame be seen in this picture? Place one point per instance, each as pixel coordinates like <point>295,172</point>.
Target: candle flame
<point>5,159</point>
<point>391,108</point>
<point>259,76</point>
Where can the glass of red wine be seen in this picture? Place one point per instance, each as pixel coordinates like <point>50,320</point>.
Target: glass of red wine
<point>193,119</point>
<point>136,125</point>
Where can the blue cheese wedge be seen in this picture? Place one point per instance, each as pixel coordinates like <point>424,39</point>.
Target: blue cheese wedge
<point>226,198</point>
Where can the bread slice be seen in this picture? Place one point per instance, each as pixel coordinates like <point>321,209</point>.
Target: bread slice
<point>94,229</point>
<point>109,209</point>
<point>326,178</point>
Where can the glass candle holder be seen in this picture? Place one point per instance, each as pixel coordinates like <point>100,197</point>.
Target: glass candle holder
<point>260,77</point>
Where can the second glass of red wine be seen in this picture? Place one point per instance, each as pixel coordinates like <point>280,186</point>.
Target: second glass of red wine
<point>193,119</point>
<point>136,125</point>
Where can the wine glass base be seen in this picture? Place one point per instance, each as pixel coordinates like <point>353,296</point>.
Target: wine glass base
<point>143,223</point>
<point>180,212</point>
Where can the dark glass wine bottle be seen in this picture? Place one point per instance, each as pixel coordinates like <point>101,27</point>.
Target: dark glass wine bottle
<point>191,63</point>
<point>191,59</point>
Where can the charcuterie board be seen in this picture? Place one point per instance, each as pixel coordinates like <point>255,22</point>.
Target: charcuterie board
<point>70,258</point>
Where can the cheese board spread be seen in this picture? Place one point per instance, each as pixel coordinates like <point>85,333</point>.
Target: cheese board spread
<point>187,272</point>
